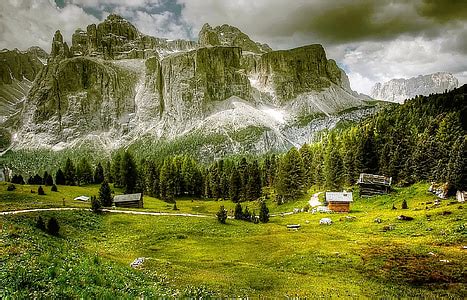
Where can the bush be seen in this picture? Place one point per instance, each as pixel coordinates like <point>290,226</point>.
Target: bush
<point>96,204</point>
<point>264,213</point>
<point>222,214</point>
<point>11,187</point>
<point>238,212</point>
<point>404,204</point>
<point>40,190</point>
<point>54,188</point>
<point>40,223</point>
<point>52,226</point>
<point>175,206</point>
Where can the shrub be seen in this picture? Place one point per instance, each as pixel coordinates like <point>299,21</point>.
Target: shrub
<point>404,204</point>
<point>11,187</point>
<point>222,214</point>
<point>40,190</point>
<point>52,226</point>
<point>264,213</point>
<point>238,212</point>
<point>40,223</point>
<point>54,188</point>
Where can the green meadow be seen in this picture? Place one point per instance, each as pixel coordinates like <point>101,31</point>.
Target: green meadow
<point>355,257</point>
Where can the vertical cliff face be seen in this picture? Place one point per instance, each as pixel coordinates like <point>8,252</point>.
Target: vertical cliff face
<point>18,69</point>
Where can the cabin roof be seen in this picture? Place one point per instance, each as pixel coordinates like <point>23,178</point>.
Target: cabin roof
<point>127,197</point>
<point>339,197</point>
<point>374,179</point>
<point>82,198</point>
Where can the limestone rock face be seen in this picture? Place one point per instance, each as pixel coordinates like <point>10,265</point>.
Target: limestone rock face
<point>398,90</point>
<point>227,35</point>
<point>18,69</point>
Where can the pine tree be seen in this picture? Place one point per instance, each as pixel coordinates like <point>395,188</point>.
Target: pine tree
<point>404,204</point>
<point>99,174</point>
<point>96,204</point>
<point>222,214</point>
<point>289,176</point>
<point>40,224</point>
<point>129,175</point>
<point>105,194</point>
<point>246,215</point>
<point>253,188</point>
<point>264,213</point>
<point>38,179</point>
<point>457,167</point>
<point>60,177</point>
<point>108,172</point>
<point>54,188</point>
<point>332,166</point>
<point>116,167</point>
<point>234,186</point>
<point>49,181</point>
<point>69,172</point>
<point>167,182</point>
<point>84,172</point>
<point>238,214</point>
<point>307,158</point>
<point>44,178</point>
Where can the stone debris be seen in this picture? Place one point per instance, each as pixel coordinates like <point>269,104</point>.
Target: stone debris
<point>137,262</point>
<point>325,221</point>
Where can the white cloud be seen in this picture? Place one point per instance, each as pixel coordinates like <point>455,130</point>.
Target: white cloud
<point>26,23</point>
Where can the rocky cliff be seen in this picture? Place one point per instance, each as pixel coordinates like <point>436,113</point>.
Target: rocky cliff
<point>115,85</point>
<point>17,72</point>
<point>398,90</point>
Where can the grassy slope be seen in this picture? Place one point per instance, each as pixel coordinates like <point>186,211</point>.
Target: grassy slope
<point>191,255</point>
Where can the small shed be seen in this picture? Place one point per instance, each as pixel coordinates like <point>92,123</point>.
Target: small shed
<point>82,198</point>
<point>371,184</point>
<point>461,196</point>
<point>339,201</point>
<point>129,200</point>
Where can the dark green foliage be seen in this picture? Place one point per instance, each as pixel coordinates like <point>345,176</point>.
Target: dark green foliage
<point>40,190</point>
<point>18,179</point>
<point>105,194</point>
<point>289,176</point>
<point>307,158</point>
<point>238,214</point>
<point>60,177</point>
<point>37,179</point>
<point>40,224</point>
<point>116,167</point>
<point>129,173</point>
<point>333,165</point>
<point>84,172</point>
<point>234,186</point>
<point>49,181</point>
<point>54,188</point>
<point>253,188</point>
<point>96,204</point>
<point>11,187</point>
<point>44,178</point>
<point>222,214</point>
<point>99,174</point>
<point>246,215</point>
<point>264,213</point>
<point>175,206</point>
<point>53,227</point>
<point>404,204</point>
<point>167,181</point>
<point>69,172</point>
<point>457,167</point>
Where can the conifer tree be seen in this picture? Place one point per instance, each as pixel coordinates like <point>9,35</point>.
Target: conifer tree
<point>40,191</point>
<point>264,213</point>
<point>234,186</point>
<point>69,172</point>
<point>129,173</point>
<point>253,188</point>
<point>48,181</point>
<point>99,174</point>
<point>44,178</point>
<point>166,180</point>
<point>105,194</point>
<point>307,158</point>
<point>116,170</point>
<point>52,226</point>
<point>332,166</point>
<point>60,177</point>
<point>222,214</point>
<point>289,176</point>
<point>238,213</point>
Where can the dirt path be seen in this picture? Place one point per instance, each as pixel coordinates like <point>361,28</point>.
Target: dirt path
<point>131,212</point>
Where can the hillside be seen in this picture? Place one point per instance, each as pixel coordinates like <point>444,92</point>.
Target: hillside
<point>201,257</point>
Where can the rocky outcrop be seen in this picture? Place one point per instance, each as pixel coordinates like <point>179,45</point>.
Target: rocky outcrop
<point>398,90</point>
<point>17,72</point>
<point>116,38</point>
<point>231,36</point>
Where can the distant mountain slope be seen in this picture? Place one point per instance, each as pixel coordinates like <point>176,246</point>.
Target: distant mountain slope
<point>398,90</point>
<point>115,85</point>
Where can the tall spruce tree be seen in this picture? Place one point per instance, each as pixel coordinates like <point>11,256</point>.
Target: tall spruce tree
<point>69,171</point>
<point>234,185</point>
<point>307,158</point>
<point>116,170</point>
<point>167,181</point>
<point>105,194</point>
<point>253,188</point>
<point>84,172</point>
<point>60,177</point>
<point>289,183</point>
<point>99,174</point>
<point>264,213</point>
<point>129,173</point>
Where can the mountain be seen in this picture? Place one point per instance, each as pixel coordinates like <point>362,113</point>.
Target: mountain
<point>115,86</point>
<point>398,90</point>
<point>17,72</point>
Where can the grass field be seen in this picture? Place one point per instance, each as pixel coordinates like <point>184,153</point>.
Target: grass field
<point>354,257</point>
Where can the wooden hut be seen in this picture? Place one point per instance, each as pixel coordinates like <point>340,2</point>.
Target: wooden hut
<point>371,184</point>
<point>129,200</point>
<point>339,201</point>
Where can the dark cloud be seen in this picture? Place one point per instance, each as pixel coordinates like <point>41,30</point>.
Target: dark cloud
<point>443,10</point>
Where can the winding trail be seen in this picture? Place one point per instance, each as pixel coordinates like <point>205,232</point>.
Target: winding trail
<point>131,212</point>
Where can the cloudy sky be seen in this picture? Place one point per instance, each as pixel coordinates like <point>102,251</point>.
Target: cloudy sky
<point>373,40</point>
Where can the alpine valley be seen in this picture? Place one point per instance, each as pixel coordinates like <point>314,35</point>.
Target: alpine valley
<point>115,87</point>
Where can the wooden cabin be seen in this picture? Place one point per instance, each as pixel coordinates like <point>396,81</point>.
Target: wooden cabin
<point>339,201</point>
<point>129,200</point>
<point>371,185</point>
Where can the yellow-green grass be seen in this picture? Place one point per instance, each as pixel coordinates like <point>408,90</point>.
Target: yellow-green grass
<point>353,257</point>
